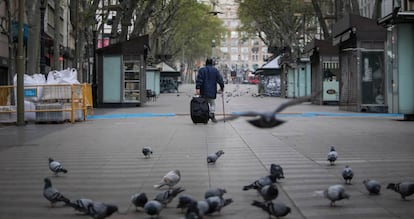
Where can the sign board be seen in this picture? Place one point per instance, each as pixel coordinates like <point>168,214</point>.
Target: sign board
<point>30,92</point>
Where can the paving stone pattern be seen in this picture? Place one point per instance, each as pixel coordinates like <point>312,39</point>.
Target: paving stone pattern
<point>105,163</point>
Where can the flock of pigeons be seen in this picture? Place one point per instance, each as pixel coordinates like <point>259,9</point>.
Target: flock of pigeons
<point>337,192</point>
<point>214,200</point>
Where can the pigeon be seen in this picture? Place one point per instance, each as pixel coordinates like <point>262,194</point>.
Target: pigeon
<point>332,155</point>
<point>333,193</point>
<point>147,151</point>
<point>56,167</point>
<point>153,207</point>
<point>170,179</point>
<point>212,158</point>
<point>184,201</point>
<point>214,192</point>
<point>52,194</point>
<point>260,183</point>
<point>100,210</point>
<point>197,209</point>
<point>139,199</point>
<point>276,209</point>
<point>168,195</point>
<point>268,119</point>
<point>81,205</point>
<point>269,192</point>
<point>373,186</point>
<point>347,174</point>
<point>215,204</point>
<point>404,188</point>
<point>277,170</point>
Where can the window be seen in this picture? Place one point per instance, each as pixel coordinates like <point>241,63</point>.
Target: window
<point>372,78</point>
<point>234,57</point>
<point>234,34</point>
<point>234,50</point>
<point>244,50</point>
<point>224,49</point>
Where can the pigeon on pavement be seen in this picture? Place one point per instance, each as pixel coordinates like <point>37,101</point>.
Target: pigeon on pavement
<point>153,207</point>
<point>168,195</point>
<point>260,183</point>
<point>269,192</point>
<point>184,201</point>
<point>212,158</point>
<point>333,193</point>
<point>347,174</point>
<point>139,200</point>
<point>170,179</point>
<point>268,119</point>
<point>332,155</point>
<point>56,167</point>
<point>214,192</point>
<point>100,210</point>
<point>216,203</point>
<point>404,188</point>
<point>197,209</point>
<point>276,209</point>
<point>277,170</point>
<point>52,194</point>
<point>81,205</point>
<point>373,186</point>
<point>147,151</point>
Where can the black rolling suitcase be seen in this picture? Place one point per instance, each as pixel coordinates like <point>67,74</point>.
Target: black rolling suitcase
<point>199,110</point>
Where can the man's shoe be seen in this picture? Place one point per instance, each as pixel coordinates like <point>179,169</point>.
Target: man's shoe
<point>213,119</point>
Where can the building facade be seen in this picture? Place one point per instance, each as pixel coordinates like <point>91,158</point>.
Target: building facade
<point>238,53</point>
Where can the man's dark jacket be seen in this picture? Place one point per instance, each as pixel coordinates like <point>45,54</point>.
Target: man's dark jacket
<point>207,80</point>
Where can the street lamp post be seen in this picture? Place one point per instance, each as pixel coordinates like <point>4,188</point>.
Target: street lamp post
<point>94,73</point>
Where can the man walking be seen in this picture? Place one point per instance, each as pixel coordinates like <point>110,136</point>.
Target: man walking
<point>206,85</point>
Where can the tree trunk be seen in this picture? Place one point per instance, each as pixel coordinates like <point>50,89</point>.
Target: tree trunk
<point>33,45</point>
<point>321,20</point>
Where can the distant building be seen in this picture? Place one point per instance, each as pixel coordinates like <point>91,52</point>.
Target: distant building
<point>237,53</point>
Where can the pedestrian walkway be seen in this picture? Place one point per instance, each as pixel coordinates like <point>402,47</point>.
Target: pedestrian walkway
<point>103,156</point>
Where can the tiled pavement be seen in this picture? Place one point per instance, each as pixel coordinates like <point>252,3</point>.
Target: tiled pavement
<point>105,163</point>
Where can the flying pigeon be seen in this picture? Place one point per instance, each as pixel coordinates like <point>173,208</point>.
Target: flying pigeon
<point>214,192</point>
<point>100,210</point>
<point>139,199</point>
<point>269,192</point>
<point>56,167</point>
<point>184,201</point>
<point>197,209</point>
<point>333,193</point>
<point>215,204</point>
<point>347,174</point>
<point>260,183</point>
<point>153,207</point>
<point>147,151</point>
<point>277,170</point>
<point>404,188</point>
<point>168,195</point>
<point>268,119</point>
<point>52,194</point>
<point>212,158</point>
<point>276,209</point>
<point>373,186</point>
<point>332,155</point>
<point>170,179</point>
<point>81,205</point>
